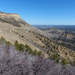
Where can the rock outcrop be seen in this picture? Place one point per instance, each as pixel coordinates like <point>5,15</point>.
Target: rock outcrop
<point>13,19</point>
<point>55,47</point>
<point>63,51</point>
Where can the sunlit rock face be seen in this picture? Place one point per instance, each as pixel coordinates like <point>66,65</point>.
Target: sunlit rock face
<point>7,16</point>
<point>13,19</point>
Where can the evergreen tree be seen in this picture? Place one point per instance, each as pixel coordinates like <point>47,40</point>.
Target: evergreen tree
<point>35,52</point>
<point>16,45</point>
<point>39,53</point>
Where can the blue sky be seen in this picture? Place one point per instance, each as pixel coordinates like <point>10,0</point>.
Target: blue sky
<point>42,12</point>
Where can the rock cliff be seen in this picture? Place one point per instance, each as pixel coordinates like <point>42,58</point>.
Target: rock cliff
<point>13,19</point>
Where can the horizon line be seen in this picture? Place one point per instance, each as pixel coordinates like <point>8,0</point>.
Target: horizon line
<point>48,24</point>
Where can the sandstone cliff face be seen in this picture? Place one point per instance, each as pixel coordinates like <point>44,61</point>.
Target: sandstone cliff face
<point>13,19</point>
<point>2,15</point>
<point>8,17</point>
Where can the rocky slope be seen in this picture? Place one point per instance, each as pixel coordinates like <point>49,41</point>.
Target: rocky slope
<point>13,28</point>
<point>52,47</point>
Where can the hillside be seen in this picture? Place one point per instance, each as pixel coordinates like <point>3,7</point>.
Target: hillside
<point>23,33</point>
<point>50,42</point>
<point>12,28</point>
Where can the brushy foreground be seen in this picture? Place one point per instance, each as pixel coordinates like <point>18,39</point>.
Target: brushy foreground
<point>14,62</point>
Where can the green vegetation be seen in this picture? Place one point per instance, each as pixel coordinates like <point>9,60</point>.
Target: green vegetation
<point>8,43</point>
<point>64,61</point>
<point>57,60</point>
<point>35,52</point>
<point>39,53</point>
<point>28,49</point>
<point>2,41</point>
<point>55,57</point>
<point>16,45</point>
<point>19,47</point>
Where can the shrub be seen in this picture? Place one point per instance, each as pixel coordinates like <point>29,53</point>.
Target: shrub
<point>64,61</point>
<point>8,43</point>
<point>21,47</point>
<point>28,49</point>
<point>35,52</point>
<point>55,57</point>
<point>16,45</point>
<point>2,40</point>
<point>57,60</point>
<point>39,53</point>
<point>30,52</point>
<point>26,46</point>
